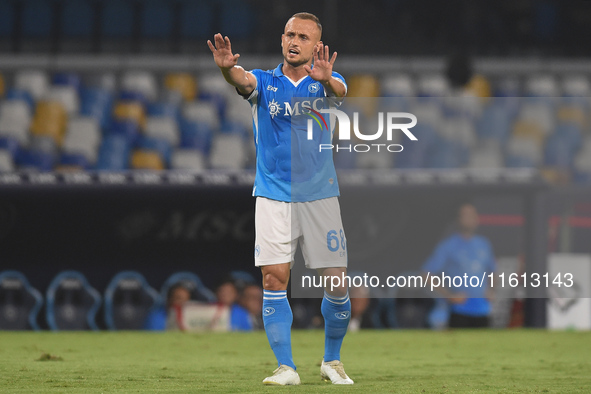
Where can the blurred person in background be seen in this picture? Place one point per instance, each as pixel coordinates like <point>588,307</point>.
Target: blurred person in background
<point>177,296</point>
<point>227,295</point>
<point>251,299</point>
<point>360,301</point>
<point>464,252</point>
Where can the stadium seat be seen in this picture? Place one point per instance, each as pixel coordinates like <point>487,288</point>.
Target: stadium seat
<point>184,83</point>
<point>44,144</point>
<point>35,160</point>
<point>494,122</point>
<point>10,145</point>
<point>6,161</point>
<point>168,109</point>
<point>83,136</point>
<point>130,111</point>
<point>459,130</point>
<point>433,85</point>
<point>430,113</point>
<point>114,153</point>
<point>147,160</point>
<point>97,103</point>
<point>19,302</point>
<point>67,79</point>
<point>542,85</point>
<point>486,155</point>
<point>50,120</point>
<point>188,159</point>
<point>239,112</point>
<point>163,128</point>
<point>398,85</point>
<point>576,85</point>
<point>523,152</point>
<point>76,25</point>
<point>73,162</point>
<point>128,301</point>
<point>572,113</point>
<point>214,84</point>
<point>71,303</point>
<point>142,82</point>
<point>15,119</point>
<point>227,152</point>
<point>158,145</point>
<point>192,283</point>
<point>36,82</point>
<point>20,94</point>
<point>125,128</point>
<point>539,113</point>
<point>562,145</point>
<point>67,95</point>
<point>105,81</point>
<point>363,85</point>
<point>196,135</point>
<point>479,86</point>
<point>204,112</point>
<point>415,154</point>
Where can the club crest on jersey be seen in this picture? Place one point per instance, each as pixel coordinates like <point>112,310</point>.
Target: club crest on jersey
<point>274,108</point>
<point>268,311</point>
<point>342,315</point>
<point>314,87</point>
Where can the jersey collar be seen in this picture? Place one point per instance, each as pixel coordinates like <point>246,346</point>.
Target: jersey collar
<point>278,72</point>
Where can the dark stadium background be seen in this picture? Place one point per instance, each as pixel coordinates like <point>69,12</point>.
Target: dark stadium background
<point>51,221</point>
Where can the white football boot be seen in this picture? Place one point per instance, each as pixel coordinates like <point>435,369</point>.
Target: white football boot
<point>335,372</point>
<point>283,376</point>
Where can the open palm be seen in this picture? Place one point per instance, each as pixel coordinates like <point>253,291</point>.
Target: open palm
<point>222,52</point>
<point>322,70</point>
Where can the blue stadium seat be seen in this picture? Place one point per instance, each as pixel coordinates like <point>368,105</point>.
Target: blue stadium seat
<point>96,102</point>
<point>10,144</point>
<point>36,160</point>
<point>114,153</point>
<point>512,161</point>
<point>196,135</point>
<point>7,19</point>
<point>192,283</point>
<point>77,19</point>
<point>130,95</point>
<point>19,302</point>
<point>494,123</point>
<point>196,20</point>
<point>157,19</point>
<point>20,94</point>
<point>125,128</point>
<point>562,145</point>
<point>416,153</point>
<point>72,303</point>
<point>159,145</point>
<point>447,154</point>
<point>117,19</point>
<point>67,79</point>
<point>75,159</point>
<point>128,301</point>
<point>37,19</point>
<point>168,109</point>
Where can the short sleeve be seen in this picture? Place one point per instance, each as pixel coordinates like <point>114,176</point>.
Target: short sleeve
<point>253,96</point>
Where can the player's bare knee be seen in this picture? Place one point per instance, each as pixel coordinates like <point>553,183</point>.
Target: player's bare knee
<point>271,281</point>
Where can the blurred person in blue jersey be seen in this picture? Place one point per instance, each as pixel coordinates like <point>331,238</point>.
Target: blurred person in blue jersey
<point>227,295</point>
<point>465,252</point>
<point>176,297</point>
<point>285,216</point>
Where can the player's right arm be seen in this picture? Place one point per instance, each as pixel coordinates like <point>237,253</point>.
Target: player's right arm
<point>228,63</point>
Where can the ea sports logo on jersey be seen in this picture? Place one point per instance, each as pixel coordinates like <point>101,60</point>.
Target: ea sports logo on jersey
<point>314,87</point>
<point>342,315</point>
<point>268,311</point>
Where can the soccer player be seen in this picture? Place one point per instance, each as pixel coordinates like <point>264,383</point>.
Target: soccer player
<point>282,217</point>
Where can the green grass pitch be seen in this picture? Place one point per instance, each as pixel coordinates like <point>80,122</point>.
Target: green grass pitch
<point>522,361</point>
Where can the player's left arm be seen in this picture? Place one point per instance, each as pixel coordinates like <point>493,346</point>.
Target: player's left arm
<point>322,71</point>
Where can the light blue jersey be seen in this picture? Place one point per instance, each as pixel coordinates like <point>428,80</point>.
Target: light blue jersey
<point>289,167</point>
<point>457,256</point>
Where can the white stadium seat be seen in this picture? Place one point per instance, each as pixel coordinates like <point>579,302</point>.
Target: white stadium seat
<point>227,152</point>
<point>83,137</point>
<point>202,111</point>
<point>36,82</point>
<point>142,82</point>
<point>398,85</point>
<point>163,128</point>
<point>188,159</point>
<point>6,162</point>
<point>67,96</point>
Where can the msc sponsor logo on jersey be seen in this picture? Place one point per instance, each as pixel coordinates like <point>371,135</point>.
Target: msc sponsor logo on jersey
<point>274,108</point>
<point>344,315</point>
<point>268,311</point>
<point>301,107</point>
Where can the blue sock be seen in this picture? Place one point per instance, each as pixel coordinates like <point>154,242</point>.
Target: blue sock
<point>337,313</point>
<point>277,318</point>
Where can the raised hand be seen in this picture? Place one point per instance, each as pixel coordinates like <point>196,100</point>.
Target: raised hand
<point>222,52</point>
<point>322,70</point>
